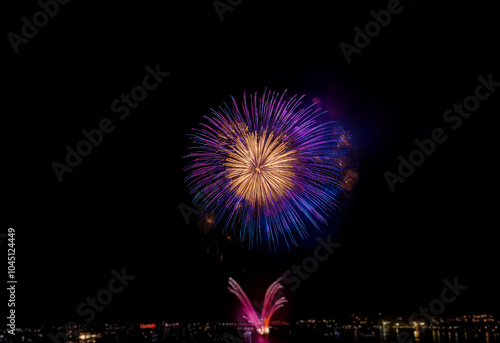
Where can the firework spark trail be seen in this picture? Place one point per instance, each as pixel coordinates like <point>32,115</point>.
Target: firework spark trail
<point>267,167</point>
<point>251,314</point>
<point>270,306</point>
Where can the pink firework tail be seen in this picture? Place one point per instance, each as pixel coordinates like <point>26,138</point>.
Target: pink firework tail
<point>250,313</point>
<point>271,304</point>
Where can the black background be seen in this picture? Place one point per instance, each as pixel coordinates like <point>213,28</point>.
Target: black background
<point>119,208</point>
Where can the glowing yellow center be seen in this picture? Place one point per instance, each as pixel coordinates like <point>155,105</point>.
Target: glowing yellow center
<point>260,167</point>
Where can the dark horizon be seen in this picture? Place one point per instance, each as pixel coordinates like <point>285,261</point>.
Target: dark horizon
<point>340,319</point>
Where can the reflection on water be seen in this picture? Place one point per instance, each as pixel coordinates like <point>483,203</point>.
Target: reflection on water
<point>386,336</point>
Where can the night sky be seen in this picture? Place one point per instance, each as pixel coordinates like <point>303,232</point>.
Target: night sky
<point>119,207</point>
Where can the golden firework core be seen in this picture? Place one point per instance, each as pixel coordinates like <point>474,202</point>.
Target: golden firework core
<point>261,167</point>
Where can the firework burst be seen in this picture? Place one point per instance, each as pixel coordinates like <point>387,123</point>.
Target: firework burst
<point>267,167</point>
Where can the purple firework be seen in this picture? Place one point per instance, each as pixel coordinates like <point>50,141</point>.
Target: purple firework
<point>266,167</point>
